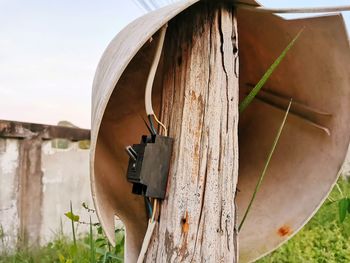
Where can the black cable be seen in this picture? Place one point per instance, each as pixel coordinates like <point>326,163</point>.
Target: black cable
<point>148,128</point>
<point>148,207</point>
<point>154,132</point>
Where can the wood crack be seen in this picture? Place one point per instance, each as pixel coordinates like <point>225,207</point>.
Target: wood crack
<point>223,63</point>
<point>203,118</point>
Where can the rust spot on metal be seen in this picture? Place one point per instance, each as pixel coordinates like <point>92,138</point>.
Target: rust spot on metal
<point>284,230</point>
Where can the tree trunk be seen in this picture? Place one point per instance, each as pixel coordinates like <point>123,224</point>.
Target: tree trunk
<point>200,108</point>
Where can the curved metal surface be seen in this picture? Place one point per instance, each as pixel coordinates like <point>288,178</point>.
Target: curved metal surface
<point>304,168</point>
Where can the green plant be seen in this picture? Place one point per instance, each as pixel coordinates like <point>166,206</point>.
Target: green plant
<point>92,246</point>
<point>73,218</point>
<point>100,250</point>
<point>2,236</point>
<point>247,100</point>
<point>343,203</point>
<point>261,178</point>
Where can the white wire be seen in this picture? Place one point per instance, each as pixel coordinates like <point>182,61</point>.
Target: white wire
<point>330,9</point>
<point>152,72</point>
<point>149,111</point>
<point>150,5</point>
<point>146,241</point>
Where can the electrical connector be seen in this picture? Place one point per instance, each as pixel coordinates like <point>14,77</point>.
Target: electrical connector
<point>149,164</point>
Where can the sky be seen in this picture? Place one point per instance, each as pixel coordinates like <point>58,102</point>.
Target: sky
<point>49,51</point>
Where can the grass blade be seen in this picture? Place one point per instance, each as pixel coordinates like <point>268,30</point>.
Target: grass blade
<point>105,257</point>
<point>257,187</point>
<point>247,100</point>
<point>92,247</point>
<point>73,229</point>
<point>343,207</point>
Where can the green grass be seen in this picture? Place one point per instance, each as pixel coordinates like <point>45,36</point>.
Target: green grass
<point>323,239</point>
<point>60,250</point>
<point>63,250</point>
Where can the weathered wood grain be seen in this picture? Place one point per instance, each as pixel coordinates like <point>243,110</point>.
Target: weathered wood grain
<point>200,102</point>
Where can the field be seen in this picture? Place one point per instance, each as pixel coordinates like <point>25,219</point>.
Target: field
<point>323,239</point>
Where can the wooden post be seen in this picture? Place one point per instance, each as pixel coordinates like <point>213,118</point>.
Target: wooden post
<point>200,108</point>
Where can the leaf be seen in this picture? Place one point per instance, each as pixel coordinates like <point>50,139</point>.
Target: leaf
<point>72,216</point>
<point>102,245</point>
<point>100,251</point>
<point>100,240</point>
<point>247,100</point>
<point>261,178</point>
<point>119,247</point>
<point>99,230</point>
<point>118,230</point>
<point>105,257</point>
<point>92,245</point>
<point>61,258</point>
<point>343,208</point>
<point>349,205</point>
<point>114,257</point>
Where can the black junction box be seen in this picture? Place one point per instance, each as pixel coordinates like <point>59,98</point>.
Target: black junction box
<point>148,167</point>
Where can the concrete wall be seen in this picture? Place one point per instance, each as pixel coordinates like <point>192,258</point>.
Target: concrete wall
<point>39,176</point>
<point>9,218</point>
<point>65,178</point>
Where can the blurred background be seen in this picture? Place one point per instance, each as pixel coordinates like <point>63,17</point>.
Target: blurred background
<point>49,51</point>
